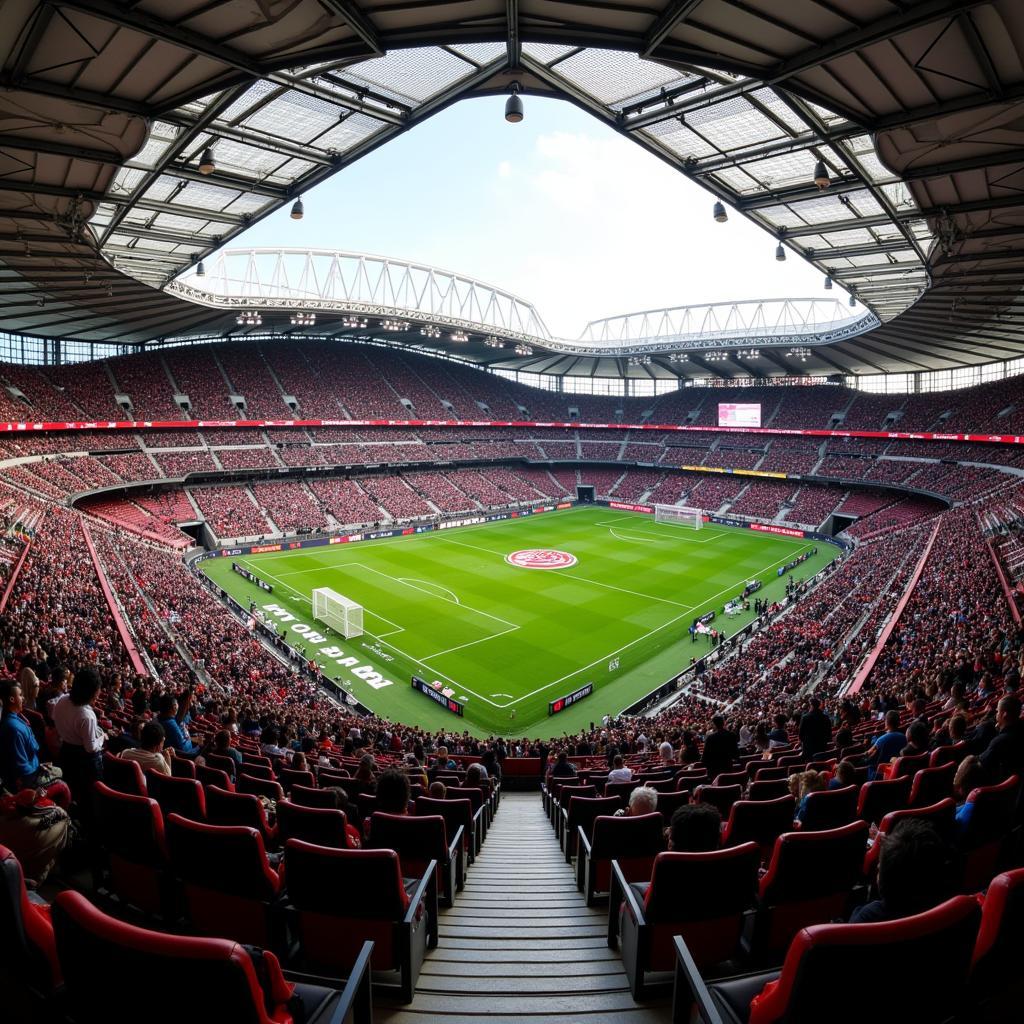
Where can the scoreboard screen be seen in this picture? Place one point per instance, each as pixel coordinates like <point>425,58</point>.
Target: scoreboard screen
<point>737,414</point>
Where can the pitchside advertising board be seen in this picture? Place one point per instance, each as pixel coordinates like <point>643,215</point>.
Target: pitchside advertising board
<point>437,694</point>
<point>252,577</point>
<point>555,706</point>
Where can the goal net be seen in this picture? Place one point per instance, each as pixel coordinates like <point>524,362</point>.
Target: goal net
<point>679,515</point>
<point>341,614</point>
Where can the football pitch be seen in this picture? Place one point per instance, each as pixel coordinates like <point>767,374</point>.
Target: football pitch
<point>506,639</point>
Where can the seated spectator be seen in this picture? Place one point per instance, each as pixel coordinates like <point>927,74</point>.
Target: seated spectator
<point>151,753</point>
<point>695,828</point>
<point>35,829</point>
<point>969,776</point>
<point>913,873</point>
<point>1004,755</point>
<point>810,782</point>
<point>393,792</point>
<point>366,771</point>
<point>270,744</point>
<point>438,791</point>
<point>341,803</point>
<point>444,761</point>
<point>175,736</point>
<point>887,746</point>
<point>779,736</point>
<point>476,777</point>
<point>222,747</point>
<point>20,766</point>
<point>619,772</point>
<point>917,738</point>
<point>563,768</point>
<point>643,800</point>
<point>844,775</point>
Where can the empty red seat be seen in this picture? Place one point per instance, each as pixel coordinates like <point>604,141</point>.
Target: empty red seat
<point>419,840</point>
<point>131,834</point>
<point>997,984</point>
<point>177,796</point>
<point>759,821</point>
<point>124,776</point>
<point>830,808</point>
<point>809,880</point>
<point>580,813</point>
<point>876,961</point>
<point>342,898</point>
<point>321,826</point>
<point>259,787</point>
<point>308,796</point>
<point>701,896</point>
<point>225,807</point>
<point>722,797</point>
<point>112,970</point>
<point>881,796</point>
<point>229,886</point>
<point>931,785</point>
<point>633,842</point>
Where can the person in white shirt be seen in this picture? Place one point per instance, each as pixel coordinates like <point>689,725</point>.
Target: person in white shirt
<point>82,739</point>
<point>619,772</point>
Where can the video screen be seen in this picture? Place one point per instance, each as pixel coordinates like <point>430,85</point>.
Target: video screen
<point>737,414</point>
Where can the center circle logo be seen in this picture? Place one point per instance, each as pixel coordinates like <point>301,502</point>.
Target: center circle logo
<point>541,558</point>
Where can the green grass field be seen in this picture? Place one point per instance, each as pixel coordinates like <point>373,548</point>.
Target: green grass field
<point>446,606</point>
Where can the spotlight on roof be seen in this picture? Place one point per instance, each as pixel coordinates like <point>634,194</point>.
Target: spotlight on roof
<point>853,300</point>
<point>493,342</point>
<point>720,213</point>
<point>297,210</point>
<point>514,106</point>
<point>207,165</point>
<point>821,178</point>
<point>828,282</point>
<point>523,350</point>
<point>303,319</point>
<point>799,352</point>
<point>459,336</point>
<point>780,253</point>
<point>430,331</point>
<point>201,269</point>
<point>679,357</point>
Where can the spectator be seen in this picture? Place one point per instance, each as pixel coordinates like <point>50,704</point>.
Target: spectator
<point>20,766</point>
<point>695,828</point>
<point>438,791</point>
<point>844,775</point>
<point>36,830</point>
<point>151,753</point>
<point>81,737</point>
<point>917,738</point>
<point>815,730</point>
<point>779,736</point>
<point>175,736</point>
<point>810,782</point>
<point>887,746</point>
<point>619,772</point>
<point>969,776</point>
<point>222,747</point>
<point>721,747</point>
<point>643,800</point>
<point>913,873</point>
<point>1004,756</point>
<point>563,768</point>
<point>366,770</point>
<point>355,840</point>
<point>393,792</point>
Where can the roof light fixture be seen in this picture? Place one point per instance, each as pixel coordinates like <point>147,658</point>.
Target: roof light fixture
<point>780,253</point>
<point>493,342</point>
<point>523,350</point>
<point>514,106</point>
<point>720,213</point>
<point>297,209</point>
<point>828,282</point>
<point>821,178</point>
<point>459,336</point>
<point>353,322</point>
<point>201,269</point>
<point>303,319</point>
<point>853,299</point>
<point>430,331</point>
<point>207,165</point>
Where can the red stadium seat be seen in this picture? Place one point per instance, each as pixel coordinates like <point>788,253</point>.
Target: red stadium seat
<point>759,821</point>
<point>124,776</point>
<point>878,959</point>
<point>997,984</point>
<point>244,986</point>
<point>177,796</point>
<point>580,813</point>
<point>321,826</point>
<point>830,808</point>
<point>26,936</point>
<point>225,807</point>
<point>984,838</point>
<point>342,898</point>
<point>633,842</point>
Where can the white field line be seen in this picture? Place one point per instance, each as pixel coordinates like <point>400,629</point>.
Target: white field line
<point>397,650</point>
<point>471,643</point>
<point>632,643</point>
<point>630,540</point>
<point>712,533</point>
<point>583,579</point>
<point>412,580</point>
<point>412,585</point>
<point>302,597</point>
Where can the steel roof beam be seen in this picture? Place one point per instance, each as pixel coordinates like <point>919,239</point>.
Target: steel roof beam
<point>357,21</point>
<point>673,15</point>
<point>195,212</point>
<point>53,148</point>
<point>798,193</point>
<point>513,44</point>
<point>797,143</point>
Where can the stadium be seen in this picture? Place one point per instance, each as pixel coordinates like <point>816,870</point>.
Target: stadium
<point>375,652</point>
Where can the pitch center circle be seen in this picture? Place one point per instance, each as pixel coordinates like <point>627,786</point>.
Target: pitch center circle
<point>541,558</point>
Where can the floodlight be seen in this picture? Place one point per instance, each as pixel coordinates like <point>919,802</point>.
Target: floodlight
<point>207,165</point>
<point>780,253</point>
<point>297,210</point>
<point>720,213</point>
<point>514,106</point>
<point>828,282</point>
<point>821,178</point>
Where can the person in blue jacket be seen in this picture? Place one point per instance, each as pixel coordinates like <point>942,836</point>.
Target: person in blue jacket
<point>176,737</point>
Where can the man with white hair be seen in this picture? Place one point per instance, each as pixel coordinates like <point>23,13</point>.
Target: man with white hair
<point>643,800</point>
<point>665,751</point>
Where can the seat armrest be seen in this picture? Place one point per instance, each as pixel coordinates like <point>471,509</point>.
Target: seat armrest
<point>429,876</point>
<point>355,998</point>
<point>689,989</point>
<point>584,841</point>
<point>620,887</point>
<point>455,846</point>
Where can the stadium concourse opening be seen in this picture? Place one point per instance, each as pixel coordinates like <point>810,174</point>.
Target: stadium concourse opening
<point>373,653</point>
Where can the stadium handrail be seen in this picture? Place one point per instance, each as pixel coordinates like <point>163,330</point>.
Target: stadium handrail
<point>115,611</point>
<point>869,663</point>
<point>15,572</point>
<point>1001,576</point>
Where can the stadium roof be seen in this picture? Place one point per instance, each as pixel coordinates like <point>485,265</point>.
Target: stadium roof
<point>914,108</point>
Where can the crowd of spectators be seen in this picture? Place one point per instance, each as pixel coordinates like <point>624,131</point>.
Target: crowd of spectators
<point>230,511</point>
<point>396,497</point>
<point>347,502</point>
<point>290,505</point>
<point>439,490</point>
<point>813,504</point>
<point>763,498</point>
<point>183,463</point>
<point>246,458</point>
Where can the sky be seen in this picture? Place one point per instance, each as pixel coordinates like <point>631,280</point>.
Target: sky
<point>559,209</point>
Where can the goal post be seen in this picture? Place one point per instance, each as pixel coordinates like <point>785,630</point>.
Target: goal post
<point>343,615</point>
<point>679,515</point>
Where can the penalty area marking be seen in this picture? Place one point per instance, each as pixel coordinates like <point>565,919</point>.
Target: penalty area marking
<point>412,581</point>
<point>630,540</point>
